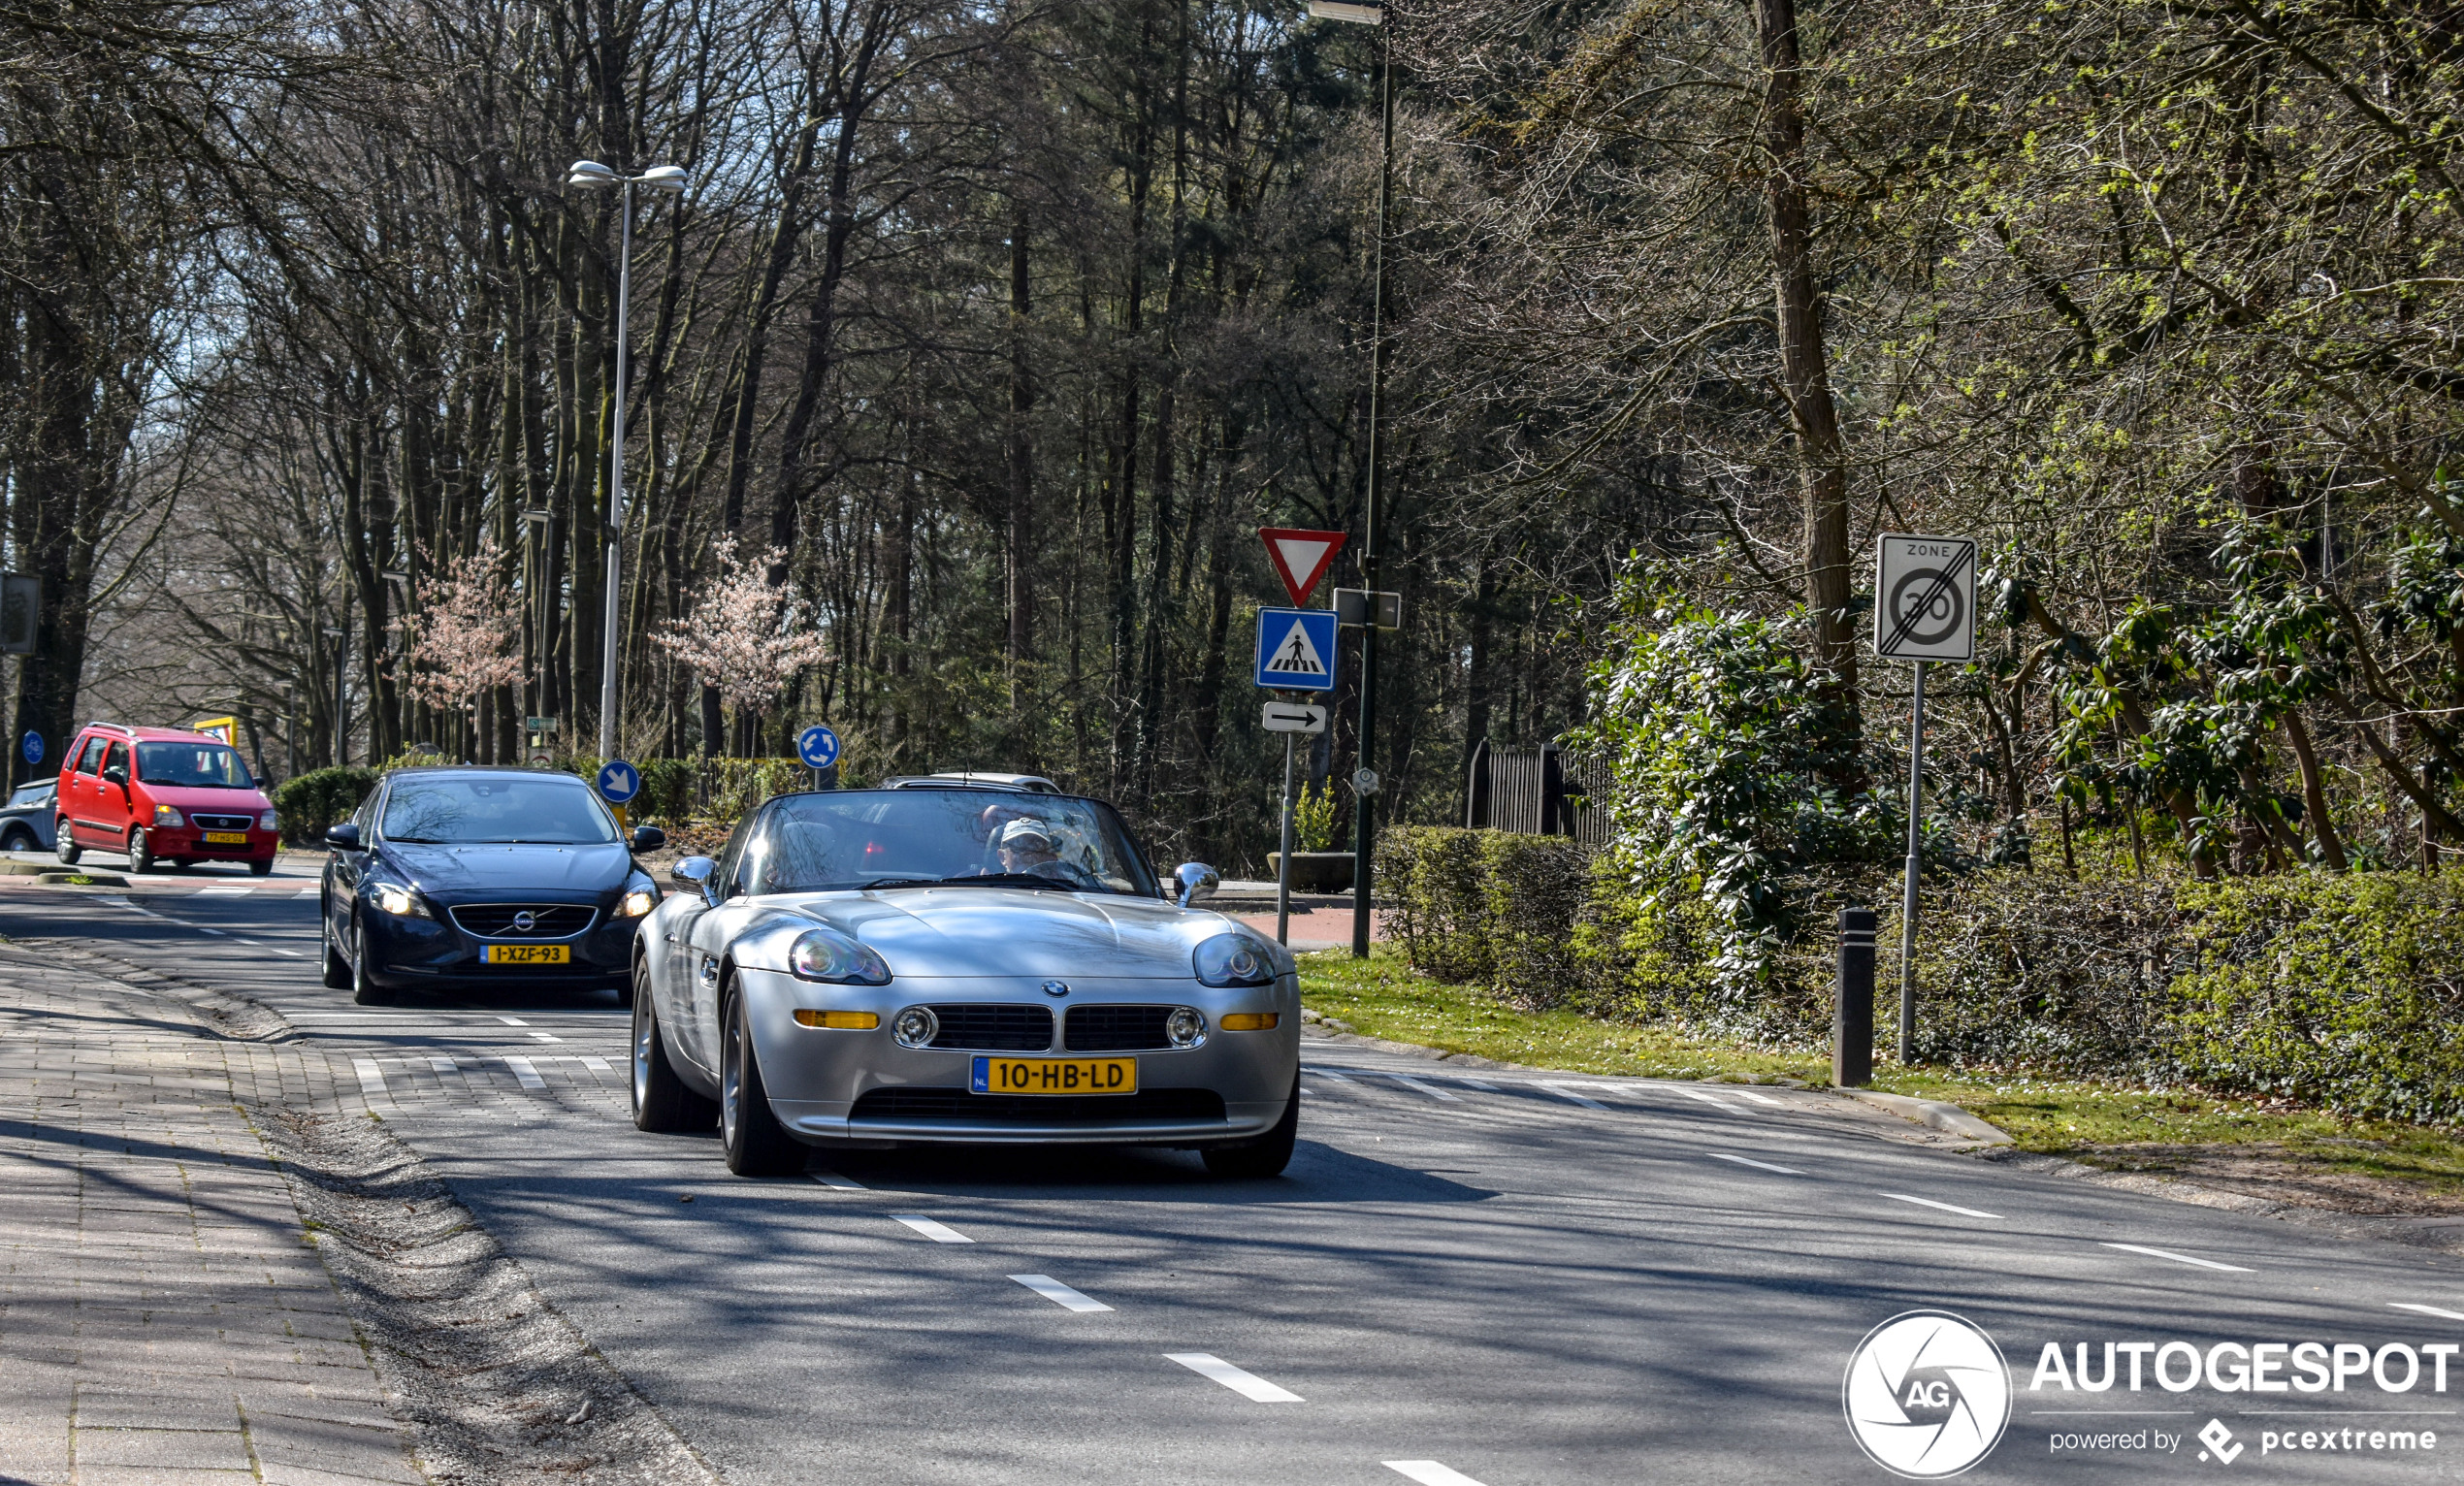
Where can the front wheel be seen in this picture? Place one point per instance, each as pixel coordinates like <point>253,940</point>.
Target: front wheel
<point>1269,1153</point>
<point>141,852</point>
<point>64,846</point>
<point>756,1144</point>
<point>262,866</point>
<point>661,1101</point>
<point>19,839</point>
<point>364,989</point>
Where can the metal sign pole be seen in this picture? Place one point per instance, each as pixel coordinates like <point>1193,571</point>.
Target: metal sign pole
<point>1284,863</point>
<point>1909,901</point>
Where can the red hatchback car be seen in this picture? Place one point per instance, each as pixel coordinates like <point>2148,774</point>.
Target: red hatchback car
<point>162,795</point>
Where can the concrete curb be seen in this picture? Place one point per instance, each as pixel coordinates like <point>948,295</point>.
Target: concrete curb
<point>1934,1113</point>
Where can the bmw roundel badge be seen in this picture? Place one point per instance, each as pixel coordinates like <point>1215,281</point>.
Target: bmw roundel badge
<point>1056,987</point>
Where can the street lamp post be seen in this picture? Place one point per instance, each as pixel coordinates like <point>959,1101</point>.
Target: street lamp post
<point>1364,782</point>
<point>658,177</point>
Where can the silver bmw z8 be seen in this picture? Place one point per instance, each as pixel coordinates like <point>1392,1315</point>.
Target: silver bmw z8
<point>866,968</point>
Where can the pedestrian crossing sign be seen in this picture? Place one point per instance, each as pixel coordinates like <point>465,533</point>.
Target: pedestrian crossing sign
<point>1296,650</point>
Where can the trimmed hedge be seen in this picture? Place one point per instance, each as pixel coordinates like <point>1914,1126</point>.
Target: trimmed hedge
<point>304,805</point>
<point>2344,992</point>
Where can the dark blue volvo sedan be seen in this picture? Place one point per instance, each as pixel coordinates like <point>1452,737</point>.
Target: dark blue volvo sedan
<point>458,876</point>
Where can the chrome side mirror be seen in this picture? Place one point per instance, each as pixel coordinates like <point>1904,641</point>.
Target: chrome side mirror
<point>1197,883</point>
<point>700,873</point>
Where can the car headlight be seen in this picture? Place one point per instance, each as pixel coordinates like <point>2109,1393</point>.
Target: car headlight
<point>826,955</point>
<point>1185,1027</point>
<point>914,1027</point>
<point>167,814</point>
<point>269,821</point>
<point>1234,959</point>
<point>641,895</point>
<point>399,901</point>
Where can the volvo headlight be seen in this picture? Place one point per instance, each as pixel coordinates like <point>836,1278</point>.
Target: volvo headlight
<point>168,815</point>
<point>399,901</point>
<point>641,895</point>
<point>827,955</point>
<point>1234,959</point>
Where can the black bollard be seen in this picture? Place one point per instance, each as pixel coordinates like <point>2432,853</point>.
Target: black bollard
<point>1852,1001</point>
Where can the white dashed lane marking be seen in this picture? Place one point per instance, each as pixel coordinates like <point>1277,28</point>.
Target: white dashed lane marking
<point>1247,1385</point>
<point>1696,1093</point>
<point>1060,1294</point>
<point>2443,1315</point>
<point>513,1022</point>
<point>1429,1473</point>
<point>2166,1253</point>
<point>545,1037</point>
<point>939,1233</point>
<point>1563,1093</point>
<point>1747,1093</point>
<point>1928,1202</point>
<point>1407,1081</point>
<point>1785,1171</point>
<point>526,1075</point>
<point>834,1180</point>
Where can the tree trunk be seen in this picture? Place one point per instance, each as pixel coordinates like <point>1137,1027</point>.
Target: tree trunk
<point>1805,376</point>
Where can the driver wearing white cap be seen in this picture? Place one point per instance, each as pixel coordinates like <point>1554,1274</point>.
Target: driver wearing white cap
<point>1026,845</point>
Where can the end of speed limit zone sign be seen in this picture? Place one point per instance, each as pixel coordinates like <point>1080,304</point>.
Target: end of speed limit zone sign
<point>1925,598</point>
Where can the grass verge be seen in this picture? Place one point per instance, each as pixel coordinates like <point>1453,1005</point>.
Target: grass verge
<point>2101,1122</point>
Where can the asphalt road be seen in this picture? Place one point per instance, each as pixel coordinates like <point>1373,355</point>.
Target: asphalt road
<point>1504,1279</point>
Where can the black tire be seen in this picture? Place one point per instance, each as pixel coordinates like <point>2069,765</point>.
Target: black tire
<point>180,863</point>
<point>262,866</point>
<point>17,839</point>
<point>662,1103</point>
<point>64,846</point>
<point>756,1144</point>
<point>140,851</point>
<point>338,970</point>
<point>364,990</point>
<point>1269,1153</point>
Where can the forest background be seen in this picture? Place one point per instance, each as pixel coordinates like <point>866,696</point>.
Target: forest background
<point>982,337</point>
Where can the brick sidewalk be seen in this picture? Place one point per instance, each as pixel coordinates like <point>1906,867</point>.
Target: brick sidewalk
<point>163,1317</point>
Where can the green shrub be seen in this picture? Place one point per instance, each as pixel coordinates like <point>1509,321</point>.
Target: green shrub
<point>2338,991</point>
<point>304,805</point>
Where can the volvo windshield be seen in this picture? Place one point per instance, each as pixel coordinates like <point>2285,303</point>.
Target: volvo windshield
<point>493,809</point>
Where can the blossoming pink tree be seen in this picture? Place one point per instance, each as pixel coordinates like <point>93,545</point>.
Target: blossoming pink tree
<point>463,633</point>
<point>746,637</point>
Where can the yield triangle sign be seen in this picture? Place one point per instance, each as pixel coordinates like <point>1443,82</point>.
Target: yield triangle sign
<point>1296,656</point>
<point>1300,558</point>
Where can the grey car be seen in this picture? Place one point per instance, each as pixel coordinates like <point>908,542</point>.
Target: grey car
<point>28,822</point>
<point>886,967</point>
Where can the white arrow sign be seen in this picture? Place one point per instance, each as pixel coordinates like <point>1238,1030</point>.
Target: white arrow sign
<point>1294,716</point>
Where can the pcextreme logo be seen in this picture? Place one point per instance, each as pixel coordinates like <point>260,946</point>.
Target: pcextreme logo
<point>1928,1395</point>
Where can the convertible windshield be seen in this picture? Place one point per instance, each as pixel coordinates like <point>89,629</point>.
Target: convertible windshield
<point>910,838</point>
<point>543,811</point>
<point>203,765</point>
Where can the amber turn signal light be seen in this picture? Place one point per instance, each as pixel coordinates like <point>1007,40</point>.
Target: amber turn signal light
<point>1246,1022</point>
<point>844,1021</point>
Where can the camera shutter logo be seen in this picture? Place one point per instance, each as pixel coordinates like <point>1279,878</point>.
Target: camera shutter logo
<point>1928,1395</point>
